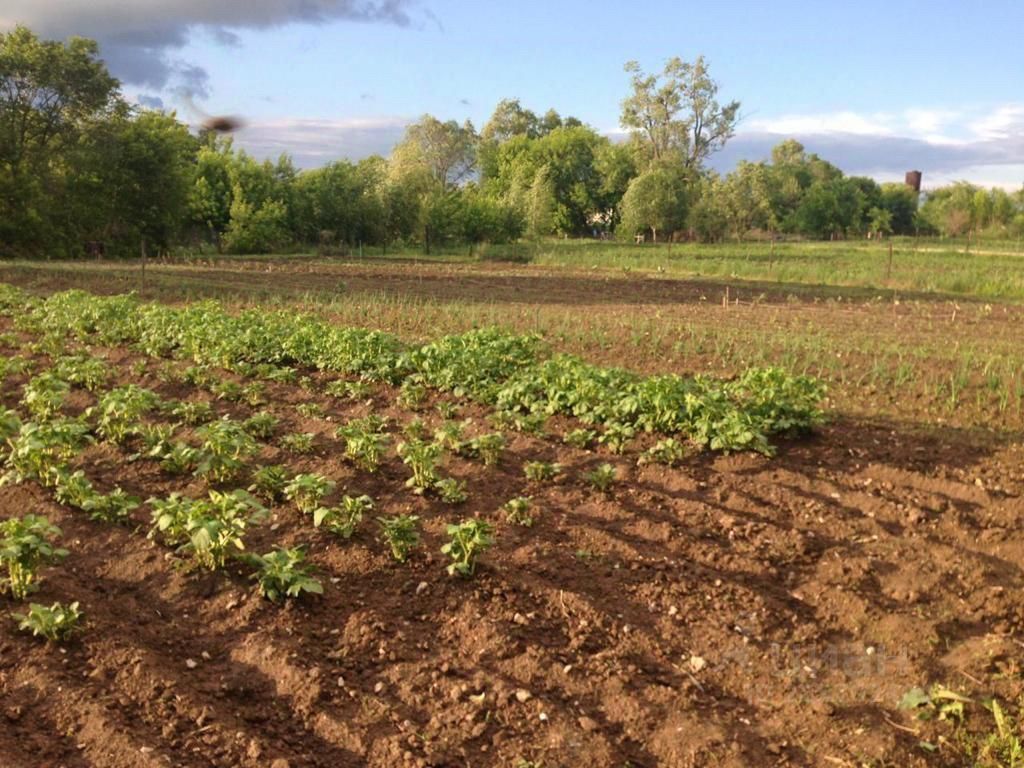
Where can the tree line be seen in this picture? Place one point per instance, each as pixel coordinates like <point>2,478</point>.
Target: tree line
<point>83,171</point>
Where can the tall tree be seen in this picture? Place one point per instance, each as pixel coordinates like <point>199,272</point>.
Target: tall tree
<point>677,112</point>
<point>447,150</point>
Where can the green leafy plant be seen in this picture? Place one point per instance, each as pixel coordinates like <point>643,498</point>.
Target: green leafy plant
<point>487,448</point>
<point>416,429</point>
<point>344,518</point>
<point>298,442</point>
<point>269,482</point>
<point>602,478</point>
<point>616,437</point>
<point>179,459</point>
<point>119,411</point>
<point>451,491</point>
<point>44,395</point>
<point>422,459</point>
<point>225,448</point>
<point>401,533</point>
<point>155,439</point>
<point>227,390</point>
<point>447,409</point>
<point>517,511</point>
<point>39,450</point>
<point>26,543</point>
<point>541,471</point>
<point>365,441</point>
<point>261,425</point>
<point>283,573</point>
<point>350,390</point>
<point>10,424</point>
<point>56,623</point>
<point>668,451</point>
<point>468,540</point>
<point>411,395</point>
<point>310,410</point>
<point>73,489</point>
<point>192,412</point>
<point>307,490</point>
<point>449,435</point>
<point>529,423</point>
<point>209,530</point>
<point>83,371</point>
<point>253,394</point>
<point>580,438</point>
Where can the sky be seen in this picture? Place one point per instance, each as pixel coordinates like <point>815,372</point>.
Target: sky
<point>875,87</point>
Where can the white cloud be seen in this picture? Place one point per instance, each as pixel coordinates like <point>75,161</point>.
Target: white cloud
<point>830,122</point>
<point>312,143</point>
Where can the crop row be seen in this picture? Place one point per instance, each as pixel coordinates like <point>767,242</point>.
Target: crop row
<point>518,375</point>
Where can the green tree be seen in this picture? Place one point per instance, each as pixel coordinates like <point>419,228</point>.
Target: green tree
<point>677,112</point>
<point>446,150</point>
<point>50,92</point>
<point>655,201</point>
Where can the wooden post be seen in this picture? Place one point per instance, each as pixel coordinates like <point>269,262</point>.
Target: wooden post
<point>888,268</point>
<point>142,261</point>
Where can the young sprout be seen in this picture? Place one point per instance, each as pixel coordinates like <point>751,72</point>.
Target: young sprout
<point>56,623</point>
<point>517,511</point>
<point>601,478</point>
<point>468,540</point>
<point>401,534</point>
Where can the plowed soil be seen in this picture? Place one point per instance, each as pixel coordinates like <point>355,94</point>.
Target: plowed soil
<point>731,611</point>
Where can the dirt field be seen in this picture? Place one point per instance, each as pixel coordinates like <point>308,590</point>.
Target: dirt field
<point>733,611</point>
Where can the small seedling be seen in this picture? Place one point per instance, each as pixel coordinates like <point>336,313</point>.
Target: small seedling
<point>602,478</point>
<point>411,395</point>
<point>307,490</point>
<point>343,519</point>
<point>616,437</point>
<point>269,483</point>
<point>261,425</point>
<point>541,471</point>
<point>517,511</point>
<point>487,448</point>
<point>284,573</point>
<point>401,534</point>
<point>421,458</point>
<point>300,443</point>
<point>26,543</point>
<point>310,410</point>
<point>580,438</point>
<point>56,623</point>
<point>668,452</point>
<point>451,491</point>
<point>469,539</point>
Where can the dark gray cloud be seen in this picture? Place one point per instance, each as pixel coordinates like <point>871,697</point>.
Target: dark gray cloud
<point>149,101</point>
<point>139,38</point>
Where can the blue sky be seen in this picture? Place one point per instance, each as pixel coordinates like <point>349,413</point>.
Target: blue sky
<point>876,87</point>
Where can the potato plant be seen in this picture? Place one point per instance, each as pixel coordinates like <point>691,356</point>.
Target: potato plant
<point>517,511</point>
<point>83,371</point>
<point>668,451</point>
<point>541,471</point>
<point>26,543</point>
<point>261,425</point>
<point>488,448</point>
<point>365,441</point>
<point>602,478</point>
<point>401,533</point>
<point>39,450</point>
<point>120,410</point>
<point>283,573</point>
<point>56,623</point>
<point>451,491</point>
<point>192,412</point>
<point>307,490</point>
<point>580,438</point>
<point>299,443</point>
<point>225,448</point>
<point>468,540</point>
<point>422,459</point>
<point>44,395</point>
<point>269,483</point>
<point>209,530</point>
<point>343,519</point>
